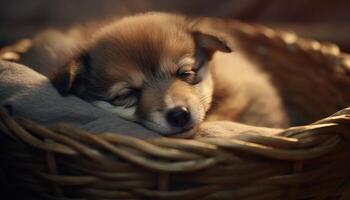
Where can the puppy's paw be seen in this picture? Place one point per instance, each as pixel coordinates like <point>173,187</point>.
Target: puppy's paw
<point>229,129</point>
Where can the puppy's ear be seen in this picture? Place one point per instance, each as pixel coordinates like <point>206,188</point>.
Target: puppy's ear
<point>69,78</point>
<point>210,43</point>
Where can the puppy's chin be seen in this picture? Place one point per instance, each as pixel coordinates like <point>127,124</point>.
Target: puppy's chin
<point>169,131</point>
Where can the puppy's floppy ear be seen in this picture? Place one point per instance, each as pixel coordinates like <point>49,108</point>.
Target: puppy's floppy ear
<point>69,78</point>
<point>210,43</point>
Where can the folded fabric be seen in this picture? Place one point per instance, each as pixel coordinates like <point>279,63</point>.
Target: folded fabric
<point>31,95</point>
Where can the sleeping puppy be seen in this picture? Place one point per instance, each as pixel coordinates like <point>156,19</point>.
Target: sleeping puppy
<point>154,69</point>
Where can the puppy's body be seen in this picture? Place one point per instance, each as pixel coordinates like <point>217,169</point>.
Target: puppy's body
<point>244,93</point>
<point>158,70</point>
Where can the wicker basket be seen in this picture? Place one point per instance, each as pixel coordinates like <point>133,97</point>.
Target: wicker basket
<point>303,162</point>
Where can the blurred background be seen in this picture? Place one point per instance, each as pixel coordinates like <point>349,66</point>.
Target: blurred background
<point>324,20</point>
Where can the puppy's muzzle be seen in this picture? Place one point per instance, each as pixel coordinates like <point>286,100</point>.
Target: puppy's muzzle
<point>179,117</point>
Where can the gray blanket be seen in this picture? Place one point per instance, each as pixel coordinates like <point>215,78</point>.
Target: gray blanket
<point>31,95</point>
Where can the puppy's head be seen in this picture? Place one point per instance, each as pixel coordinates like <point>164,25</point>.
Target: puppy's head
<point>149,68</point>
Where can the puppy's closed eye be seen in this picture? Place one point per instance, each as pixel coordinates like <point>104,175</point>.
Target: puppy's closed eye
<point>189,70</point>
<point>186,74</point>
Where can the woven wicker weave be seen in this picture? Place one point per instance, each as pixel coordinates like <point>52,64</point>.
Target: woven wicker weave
<point>304,162</point>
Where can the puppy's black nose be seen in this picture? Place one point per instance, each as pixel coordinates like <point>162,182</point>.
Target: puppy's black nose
<point>178,116</point>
